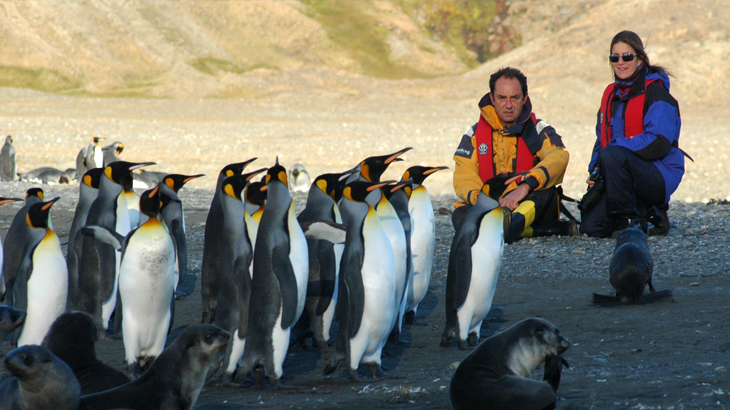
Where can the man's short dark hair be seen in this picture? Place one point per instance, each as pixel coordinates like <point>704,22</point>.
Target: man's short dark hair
<point>508,72</point>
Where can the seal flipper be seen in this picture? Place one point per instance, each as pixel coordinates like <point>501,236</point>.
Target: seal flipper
<point>657,296</point>
<point>553,369</point>
<point>605,300</point>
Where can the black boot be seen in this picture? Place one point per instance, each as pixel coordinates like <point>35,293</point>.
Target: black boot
<point>659,218</point>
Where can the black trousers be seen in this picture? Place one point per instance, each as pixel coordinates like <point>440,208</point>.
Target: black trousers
<point>633,186</point>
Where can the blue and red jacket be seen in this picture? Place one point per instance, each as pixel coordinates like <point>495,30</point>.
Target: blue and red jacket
<point>649,129</point>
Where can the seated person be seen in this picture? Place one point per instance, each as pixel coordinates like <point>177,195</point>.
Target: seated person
<point>636,157</point>
<point>509,139</point>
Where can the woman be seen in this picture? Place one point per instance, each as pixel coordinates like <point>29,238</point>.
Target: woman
<point>636,157</point>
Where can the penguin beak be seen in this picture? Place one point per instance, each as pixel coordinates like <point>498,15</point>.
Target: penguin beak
<point>140,165</point>
<point>254,173</point>
<point>434,169</point>
<point>154,191</point>
<point>380,184</point>
<point>395,156</point>
<point>4,201</point>
<point>50,203</point>
<point>192,177</point>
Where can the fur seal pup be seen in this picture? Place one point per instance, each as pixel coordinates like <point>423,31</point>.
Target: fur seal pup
<point>496,374</point>
<point>175,378</point>
<point>10,319</point>
<point>211,264</point>
<point>474,262</point>
<point>42,381</point>
<point>630,270</point>
<point>71,338</point>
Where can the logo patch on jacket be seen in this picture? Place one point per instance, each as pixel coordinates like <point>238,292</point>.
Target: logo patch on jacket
<point>483,149</point>
<point>465,147</point>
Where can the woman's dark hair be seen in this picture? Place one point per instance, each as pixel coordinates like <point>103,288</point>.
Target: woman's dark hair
<point>634,41</point>
<point>508,72</point>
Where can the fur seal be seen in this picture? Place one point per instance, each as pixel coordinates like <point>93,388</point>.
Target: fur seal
<point>175,378</point>
<point>497,372</point>
<point>71,338</point>
<point>630,270</point>
<point>42,381</point>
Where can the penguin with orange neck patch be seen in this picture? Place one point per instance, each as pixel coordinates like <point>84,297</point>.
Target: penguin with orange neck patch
<point>41,287</point>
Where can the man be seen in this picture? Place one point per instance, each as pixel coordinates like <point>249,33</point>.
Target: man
<point>509,139</point>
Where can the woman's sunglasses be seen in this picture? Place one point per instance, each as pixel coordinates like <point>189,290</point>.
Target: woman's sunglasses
<point>625,56</point>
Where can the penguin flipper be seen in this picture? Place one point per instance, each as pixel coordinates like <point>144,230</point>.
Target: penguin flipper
<point>105,235</point>
<point>325,230</point>
<point>327,275</point>
<point>460,263</point>
<point>287,285</point>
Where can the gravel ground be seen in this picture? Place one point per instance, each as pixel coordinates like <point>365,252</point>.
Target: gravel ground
<point>667,355</point>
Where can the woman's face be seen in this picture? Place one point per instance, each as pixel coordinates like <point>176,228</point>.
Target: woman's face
<point>624,69</point>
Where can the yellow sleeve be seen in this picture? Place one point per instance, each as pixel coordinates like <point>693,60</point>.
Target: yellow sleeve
<point>551,168</point>
<point>466,170</point>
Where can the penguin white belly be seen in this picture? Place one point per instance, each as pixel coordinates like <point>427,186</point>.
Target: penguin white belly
<point>123,228</point>
<point>397,237</point>
<point>132,209</point>
<point>236,352</point>
<point>329,313</point>
<point>486,256</point>
<point>299,258</point>
<point>379,283</point>
<point>423,242</point>
<point>98,156</point>
<point>252,228</point>
<point>146,286</point>
<point>47,290</point>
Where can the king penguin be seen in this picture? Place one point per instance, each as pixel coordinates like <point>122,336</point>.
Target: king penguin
<point>111,152</point>
<point>99,261</point>
<point>147,286</point>
<point>299,180</point>
<point>4,201</point>
<point>8,167</point>
<point>423,236</point>
<point>42,284</point>
<point>211,264</point>
<point>279,285</point>
<point>235,277</point>
<point>474,263</point>
<point>255,200</point>
<point>86,159</point>
<point>17,240</point>
<point>174,218</point>
<point>367,298</point>
<point>88,189</point>
<point>324,259</point>
<point>371,169</point>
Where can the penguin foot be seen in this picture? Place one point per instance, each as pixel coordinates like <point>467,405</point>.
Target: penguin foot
<point>473,339</point>
<point>464,345</point>
<point>180,295</point>
<point>324,347</point>
<point>379,374</point>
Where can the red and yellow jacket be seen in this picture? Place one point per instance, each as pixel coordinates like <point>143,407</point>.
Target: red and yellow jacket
<point>529,145</point>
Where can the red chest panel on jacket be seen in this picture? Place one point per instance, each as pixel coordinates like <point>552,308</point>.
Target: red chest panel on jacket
<point>485,148</point>
<point>633,119</point>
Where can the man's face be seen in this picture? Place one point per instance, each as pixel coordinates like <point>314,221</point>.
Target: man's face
<point>508,100</point>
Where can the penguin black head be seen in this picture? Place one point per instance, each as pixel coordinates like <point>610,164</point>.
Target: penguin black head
<point>92,177</point>
<point>236,169</point>
<point>328,183</point>
<point>9,139</point>
<point>276,173</point>
<point>255,194</point>
<point>97,139</point>
<point>38,213</point>
<point>359,190</point>
<point>392,188</point>
<point>234,186</point>
<point>116,171</point>
<point>495,186</point>
<point>372,168</point>
<point>4,201</point>
<point>37,192</point>
<point>149,202</point>
<point>176,181</point>
<point>420,173</point>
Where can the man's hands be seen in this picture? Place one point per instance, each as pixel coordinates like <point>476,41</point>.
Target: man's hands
<point>512,200</point>
<point>590,182</point>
